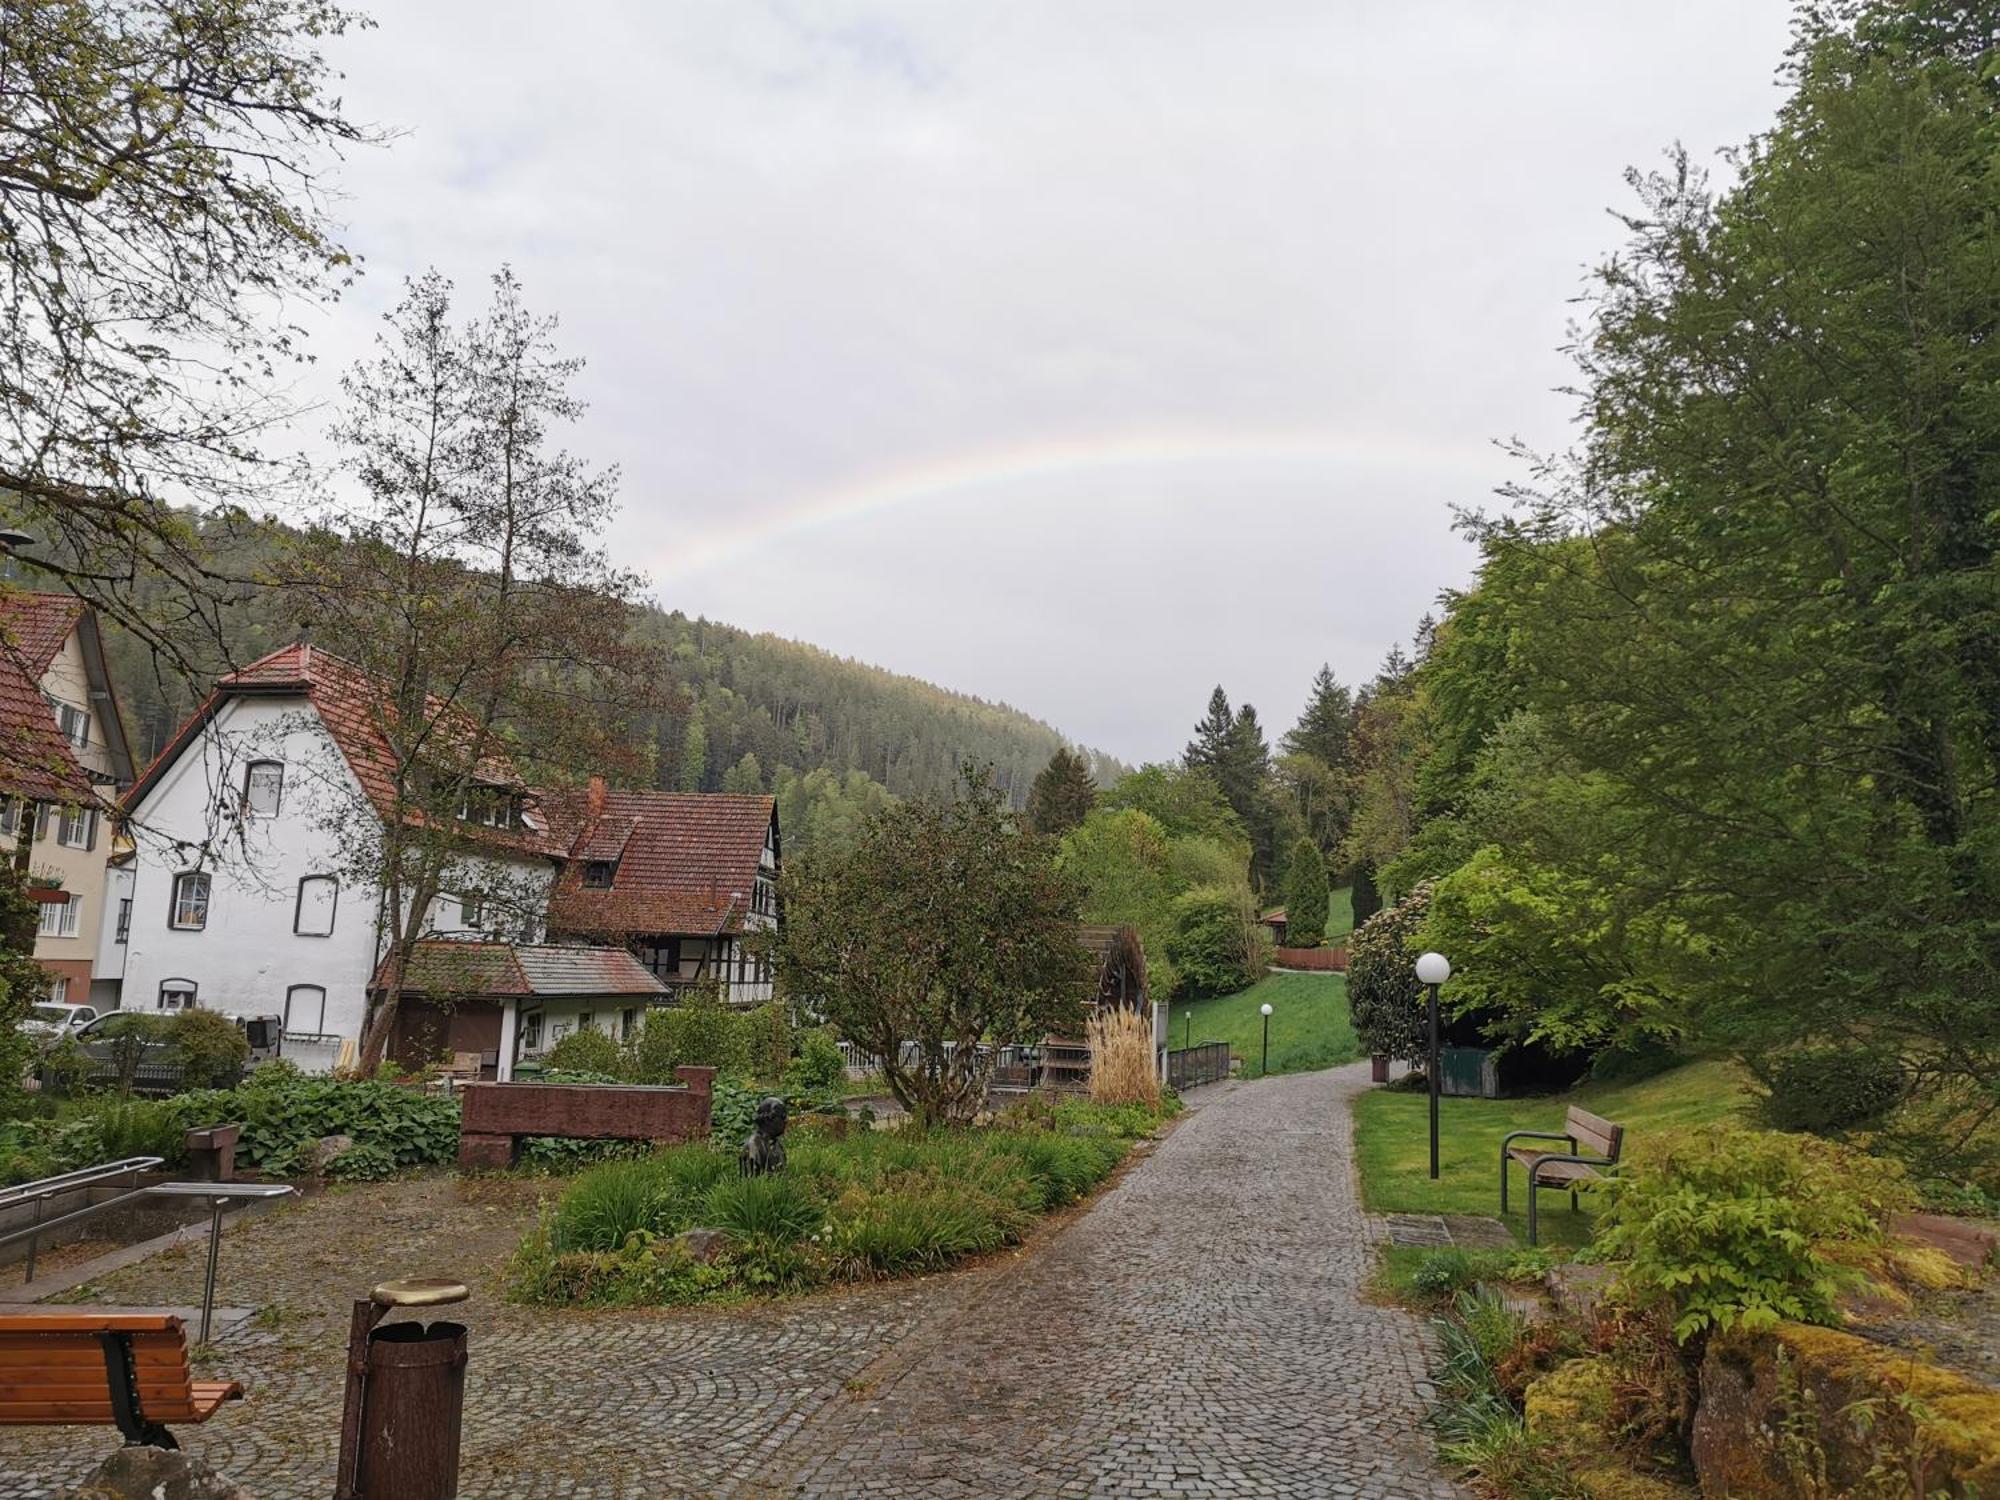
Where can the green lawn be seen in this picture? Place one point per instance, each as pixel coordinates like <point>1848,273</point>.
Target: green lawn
<point>1309,1025</point>
<point>1339,915</point>
<point>1392,1142</point>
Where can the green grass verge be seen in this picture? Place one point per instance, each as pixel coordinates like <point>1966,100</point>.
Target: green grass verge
<point>1309,1024</point>
<point>1392,1142</point>
<point>1339,915</point>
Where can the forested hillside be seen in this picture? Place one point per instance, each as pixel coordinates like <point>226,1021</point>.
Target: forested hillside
<point>831,737</point>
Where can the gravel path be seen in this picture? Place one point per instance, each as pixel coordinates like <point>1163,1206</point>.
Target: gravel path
<point>1198,1332</point>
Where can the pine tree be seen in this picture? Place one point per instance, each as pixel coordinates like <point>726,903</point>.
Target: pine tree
<point>1062,795</point>
<point>1306,897</point>
<point>1366,898</point>
<point>1210,744</point>
<point>1325,724</point>
<point>1245,774</point>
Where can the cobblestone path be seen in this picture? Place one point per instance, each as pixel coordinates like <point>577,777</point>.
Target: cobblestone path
<point>1199,1332</point>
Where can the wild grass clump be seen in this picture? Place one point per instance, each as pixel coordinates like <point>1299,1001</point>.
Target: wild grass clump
<point>1123,1069</point>
<point>856,1207</point>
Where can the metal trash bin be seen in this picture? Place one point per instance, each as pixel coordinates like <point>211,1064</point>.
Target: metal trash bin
<point>399,1433</point>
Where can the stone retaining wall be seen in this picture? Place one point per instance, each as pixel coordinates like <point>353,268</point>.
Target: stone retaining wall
<point>498,1115</point>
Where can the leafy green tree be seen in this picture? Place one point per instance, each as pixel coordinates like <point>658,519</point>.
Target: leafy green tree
<point>746,776</point>
<point>166,218</point>
<point>1213,946</point>
<point>1063,794</point>
<point>694,753</point>
<point>1187,803</point>
<point>1125,863</point>
<point>943,926</point>
<point>1306,897</point>
<point>22,980</point>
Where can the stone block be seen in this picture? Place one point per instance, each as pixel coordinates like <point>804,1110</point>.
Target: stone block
<point>140,1473</point>
<point>1838,1399</point>
<point>485,1152</point>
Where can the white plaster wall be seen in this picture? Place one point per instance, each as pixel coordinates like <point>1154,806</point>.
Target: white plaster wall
<point>247,957</point>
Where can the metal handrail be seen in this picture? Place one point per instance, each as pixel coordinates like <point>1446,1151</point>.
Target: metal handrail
<point>64,1182</point>
<point>219,1194</point>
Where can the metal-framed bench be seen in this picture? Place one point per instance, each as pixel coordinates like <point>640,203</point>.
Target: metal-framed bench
<point>123,1370</point>
<point>1594,1143</point>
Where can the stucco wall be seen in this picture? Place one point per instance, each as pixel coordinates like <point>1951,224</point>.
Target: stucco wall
<point>248,958</point>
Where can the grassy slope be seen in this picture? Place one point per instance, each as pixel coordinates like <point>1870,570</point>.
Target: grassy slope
<point>1392,1142</point>
<point>1309,1025</point>
<point>1339,914</point>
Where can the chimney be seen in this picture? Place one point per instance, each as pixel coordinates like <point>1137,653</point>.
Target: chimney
<point>596,797</point>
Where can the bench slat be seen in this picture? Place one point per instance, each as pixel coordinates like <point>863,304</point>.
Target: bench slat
<point>1549,1173</point>
<point>91,1323</point>
<point>88,1356</point>
<point>1594,1133</point>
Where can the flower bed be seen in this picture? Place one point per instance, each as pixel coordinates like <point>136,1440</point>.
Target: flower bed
<point>846,1208</point>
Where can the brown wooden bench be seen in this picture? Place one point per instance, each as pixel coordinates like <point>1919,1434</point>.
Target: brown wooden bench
<point>1594,1144</point>
<point>123,1370</point>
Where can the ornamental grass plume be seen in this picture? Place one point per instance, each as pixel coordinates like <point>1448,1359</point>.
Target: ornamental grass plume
<point>1122,1070</point>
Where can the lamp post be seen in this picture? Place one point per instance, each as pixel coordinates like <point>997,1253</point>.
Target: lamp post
<point>1433,969</point>
<point>1265,1067</point>
<point>1187,1029</point>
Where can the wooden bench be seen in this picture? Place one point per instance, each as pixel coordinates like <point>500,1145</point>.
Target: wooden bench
<point>1594,1144</point>
<point>123,1370</point>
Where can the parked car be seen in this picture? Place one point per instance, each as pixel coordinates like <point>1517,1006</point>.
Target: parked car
<point>52,1020</point>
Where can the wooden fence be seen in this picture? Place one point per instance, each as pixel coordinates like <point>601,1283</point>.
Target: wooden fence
<point>1319,960</point>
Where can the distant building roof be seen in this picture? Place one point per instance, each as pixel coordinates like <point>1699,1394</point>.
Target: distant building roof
<point>1274,917</point>
<point>351,702</point>
<point>523,970</point>
<point>36,760</point>
<point>684,862</point>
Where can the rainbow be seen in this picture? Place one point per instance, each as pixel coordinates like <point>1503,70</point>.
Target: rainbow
<point>968,478</point>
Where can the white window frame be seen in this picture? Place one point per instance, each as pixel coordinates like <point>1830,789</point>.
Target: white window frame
<point>531,1031</point>
<point>59,989</point>
<point>60,919</point>
<point>184,987</point>
<point>250,809</point>
<point>175,903</point>
<point>124,933</point>
<point>74,723</point>
<point>299,906</point>
<point>296,992</point>
<point>10,814</point>
<point>77,828</point>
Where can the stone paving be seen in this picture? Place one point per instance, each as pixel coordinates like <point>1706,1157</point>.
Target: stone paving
<point>1200,1331</point>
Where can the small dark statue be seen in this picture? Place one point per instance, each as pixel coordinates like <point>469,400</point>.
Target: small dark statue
<point>764,1151</point>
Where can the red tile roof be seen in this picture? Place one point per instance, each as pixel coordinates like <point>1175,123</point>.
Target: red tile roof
<point>350,701</point>
<point>539,970</point>
<point>34,626</point>
<point>36,760</point>
<point>686,862</point>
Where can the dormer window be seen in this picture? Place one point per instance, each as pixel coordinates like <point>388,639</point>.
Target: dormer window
<point>597,874</point>
<point>74,724</point>
<point>263,788</point>
<point>493,806</point>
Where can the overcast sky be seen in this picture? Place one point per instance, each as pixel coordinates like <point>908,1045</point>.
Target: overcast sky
<point>1079,355</point>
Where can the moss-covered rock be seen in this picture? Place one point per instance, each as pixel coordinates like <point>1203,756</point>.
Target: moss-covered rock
<point>1571,1400</point>
<point>1799,1411</point>
<point>1616,1482</point>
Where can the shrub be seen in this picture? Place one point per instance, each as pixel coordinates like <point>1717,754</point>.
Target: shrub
<point>767,1040</point>
<point>1212,946</point>
<point>1306,896</point>
<point>209,1047</point>
<point>1123,1069</point>
<point>699,1032</point>
<point>587,1050</point>
<point>284,1116</point>
<point>732,1111</point>
<point>1383,995</point>
<point>818,1069</point>
<point>1724,1227</point>
<point>1826,1090</point>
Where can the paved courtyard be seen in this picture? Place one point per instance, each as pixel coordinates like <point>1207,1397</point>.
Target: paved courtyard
<point>1198,1332</point>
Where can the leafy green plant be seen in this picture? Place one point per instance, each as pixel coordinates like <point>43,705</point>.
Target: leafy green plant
<point>1826,1090</point>
<point>209,1048</point>
<point>777,1207</point>
<point>1731,1228</point>
<point>1383,995</point>
<point>816,1068</point>
<point>587,1050</point>
<point>908,1229</point>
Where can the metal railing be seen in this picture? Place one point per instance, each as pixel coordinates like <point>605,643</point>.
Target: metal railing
<point>1189,1066</point>
<point>218,1194</point>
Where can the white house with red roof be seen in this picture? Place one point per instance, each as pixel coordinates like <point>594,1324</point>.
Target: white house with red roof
<point>679,879</point>
<point>63,761</point>
<point>244,894</point>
